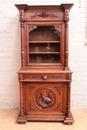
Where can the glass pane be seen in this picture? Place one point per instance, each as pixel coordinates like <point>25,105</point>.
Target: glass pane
<point>44,45</point>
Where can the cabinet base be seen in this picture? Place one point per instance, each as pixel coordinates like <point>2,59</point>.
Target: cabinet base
<point>65,120</point>
<point>21,119</point>
<point>69,120</point>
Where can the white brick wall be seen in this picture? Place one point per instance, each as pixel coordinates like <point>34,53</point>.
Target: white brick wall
<point>10,51</point>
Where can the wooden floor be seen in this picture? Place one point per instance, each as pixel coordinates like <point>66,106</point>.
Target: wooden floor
<point>8,122</point>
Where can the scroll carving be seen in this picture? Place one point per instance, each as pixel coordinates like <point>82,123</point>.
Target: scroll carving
<point>45,98</point>
<point>43,15</point>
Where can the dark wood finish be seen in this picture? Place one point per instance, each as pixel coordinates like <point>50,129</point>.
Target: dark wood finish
<point>44,77</point>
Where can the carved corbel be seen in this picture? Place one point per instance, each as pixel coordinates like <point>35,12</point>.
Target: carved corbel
<point>22,18</point>
<point>66,15</point>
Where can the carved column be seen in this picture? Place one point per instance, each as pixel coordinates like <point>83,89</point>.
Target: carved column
<point>21,101</point>
<point>69,119</point>
<point>66,37</point>
<point>68,100</point>
<point>22,38</point>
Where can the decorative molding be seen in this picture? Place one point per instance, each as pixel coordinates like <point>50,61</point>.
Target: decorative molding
<point>44,98</point>
<point>57,77</point>
<point>43,15</point>
<point>31,77</point>
<point>44,77</point>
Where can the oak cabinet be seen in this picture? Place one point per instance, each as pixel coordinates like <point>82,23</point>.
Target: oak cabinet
<point>44,76</point>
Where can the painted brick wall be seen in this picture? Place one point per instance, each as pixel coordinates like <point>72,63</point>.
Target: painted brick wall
<point>10,51</point>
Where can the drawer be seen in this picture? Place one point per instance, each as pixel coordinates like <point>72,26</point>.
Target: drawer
<point>45,77</point>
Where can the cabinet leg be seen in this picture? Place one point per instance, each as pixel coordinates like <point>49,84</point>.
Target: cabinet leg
<point>69,119</point>
<point>21,119</point>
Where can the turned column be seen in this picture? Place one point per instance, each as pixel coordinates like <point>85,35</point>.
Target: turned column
<point>67,8</point>
<point>69,118</point>
<point>66,37</point>
<point>68,100</point>
<point>21,101</point>
<point>22,38</point>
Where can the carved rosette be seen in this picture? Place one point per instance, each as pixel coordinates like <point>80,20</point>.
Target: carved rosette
<point>44,98</point>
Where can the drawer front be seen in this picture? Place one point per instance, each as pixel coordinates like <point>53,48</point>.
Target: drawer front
<point>45,77</point>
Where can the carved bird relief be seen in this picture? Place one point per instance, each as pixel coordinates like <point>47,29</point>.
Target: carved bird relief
<point>45,99</point>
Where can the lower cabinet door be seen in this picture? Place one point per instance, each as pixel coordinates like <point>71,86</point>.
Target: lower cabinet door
<point>45,101</point>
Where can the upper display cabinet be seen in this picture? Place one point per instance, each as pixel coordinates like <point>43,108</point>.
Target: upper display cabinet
<point>44,35</point>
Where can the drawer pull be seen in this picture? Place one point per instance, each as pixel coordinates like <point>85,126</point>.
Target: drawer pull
<point>44,77</point>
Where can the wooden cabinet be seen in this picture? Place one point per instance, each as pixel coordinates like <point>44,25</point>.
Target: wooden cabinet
<point>44,76</point>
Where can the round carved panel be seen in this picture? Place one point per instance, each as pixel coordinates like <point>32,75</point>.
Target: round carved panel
<point>44,98</point>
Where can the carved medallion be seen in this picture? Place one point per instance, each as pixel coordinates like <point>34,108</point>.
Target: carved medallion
<point>44,98</point>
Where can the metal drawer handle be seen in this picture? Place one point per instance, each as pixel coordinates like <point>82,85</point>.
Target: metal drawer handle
<point>44,77</point>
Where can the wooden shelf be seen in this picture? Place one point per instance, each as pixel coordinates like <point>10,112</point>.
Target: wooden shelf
<point>44,41</point>
<point>44,52</point>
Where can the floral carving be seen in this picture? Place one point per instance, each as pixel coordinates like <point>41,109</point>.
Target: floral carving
<point>43,15</point>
